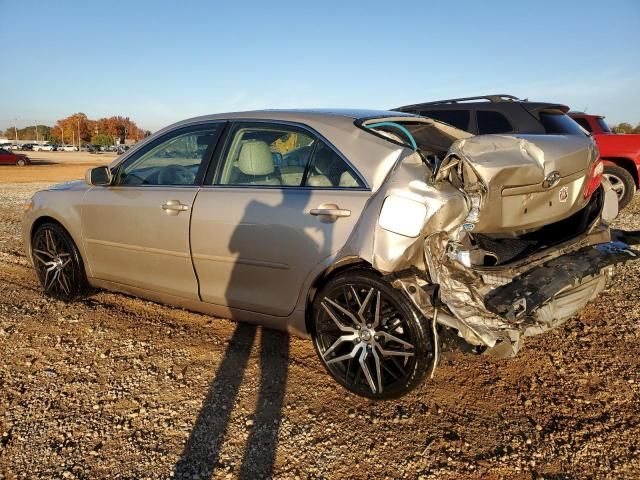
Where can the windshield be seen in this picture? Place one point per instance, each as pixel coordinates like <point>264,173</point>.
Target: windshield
<point>603,125</point>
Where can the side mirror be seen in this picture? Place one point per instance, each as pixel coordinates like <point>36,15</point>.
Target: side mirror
<point>98,176</point>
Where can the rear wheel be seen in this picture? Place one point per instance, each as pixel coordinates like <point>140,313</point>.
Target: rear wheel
<point>58,263</point>
<point>621,182</point>
<point>368,336</point>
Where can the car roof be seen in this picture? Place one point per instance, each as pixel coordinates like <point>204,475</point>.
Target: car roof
<point>300,115</point>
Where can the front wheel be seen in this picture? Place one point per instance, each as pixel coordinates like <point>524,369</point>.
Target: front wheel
<point>622,183</point>
<point>369,337</point>
<point>58,263</point>
<point>20,162</point>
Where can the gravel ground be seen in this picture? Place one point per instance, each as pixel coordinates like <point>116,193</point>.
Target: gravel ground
<point>117,387</point>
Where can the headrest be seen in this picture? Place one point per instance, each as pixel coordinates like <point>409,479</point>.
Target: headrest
<point>348,180</point>
<point>319,181</point>
<point>255,158</point>
<point>324,161</point>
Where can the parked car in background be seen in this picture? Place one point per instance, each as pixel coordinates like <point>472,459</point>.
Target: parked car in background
<point>67,148</point>
<point>10,158</point>
<point>43,147</point>
<point>489,114</point>
<point>370,231</point>
<point>620,152</point>
<point>27,146</point>
<point>14,146</point>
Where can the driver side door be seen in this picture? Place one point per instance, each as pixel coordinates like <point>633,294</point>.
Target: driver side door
<point>136,231</point>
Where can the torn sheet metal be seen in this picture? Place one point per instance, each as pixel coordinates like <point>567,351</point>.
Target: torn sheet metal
<point>423,229</point>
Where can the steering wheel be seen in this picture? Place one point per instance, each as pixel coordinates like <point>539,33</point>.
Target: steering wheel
<point>175,175</point>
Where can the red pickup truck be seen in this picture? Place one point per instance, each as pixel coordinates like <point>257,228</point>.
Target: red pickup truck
<point>621,155</point>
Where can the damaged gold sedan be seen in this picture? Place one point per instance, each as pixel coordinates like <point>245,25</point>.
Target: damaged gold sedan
<point>373,232</point>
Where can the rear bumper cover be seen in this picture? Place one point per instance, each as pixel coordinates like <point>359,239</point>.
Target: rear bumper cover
<point>531,290</point>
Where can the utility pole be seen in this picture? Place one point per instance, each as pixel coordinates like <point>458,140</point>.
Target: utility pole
<point>62,128</point>
<point>15,128</point>
<point>78,134</point>
<point>37,141</point>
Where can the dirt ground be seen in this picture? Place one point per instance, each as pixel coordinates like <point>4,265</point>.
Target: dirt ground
<point>117,387</point>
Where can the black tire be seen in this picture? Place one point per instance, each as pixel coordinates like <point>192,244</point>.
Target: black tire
<point>21,162</point>
<point>341,342</point>
<point>622,183</point>
<point>58,263</point>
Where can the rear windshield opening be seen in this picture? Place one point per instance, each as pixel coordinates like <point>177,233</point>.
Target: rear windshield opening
<point>556,122</point>
<point>429,138</point>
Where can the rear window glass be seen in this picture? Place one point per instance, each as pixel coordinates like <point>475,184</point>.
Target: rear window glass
<point>455,118</point>
<point>584,123</point>
<point>492,122</point>
<point>559,123</point>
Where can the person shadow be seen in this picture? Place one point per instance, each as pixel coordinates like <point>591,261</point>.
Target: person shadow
<point>201,455</point>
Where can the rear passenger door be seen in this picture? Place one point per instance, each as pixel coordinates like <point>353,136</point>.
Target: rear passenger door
<point>280,201</point>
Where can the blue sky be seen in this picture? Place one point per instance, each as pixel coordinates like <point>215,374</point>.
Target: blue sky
<point>162,61</point>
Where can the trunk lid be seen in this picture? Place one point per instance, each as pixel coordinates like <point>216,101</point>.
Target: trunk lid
<point>518,183</point>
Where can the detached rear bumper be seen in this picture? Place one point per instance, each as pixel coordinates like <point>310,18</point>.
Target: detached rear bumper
<point>531,290</point>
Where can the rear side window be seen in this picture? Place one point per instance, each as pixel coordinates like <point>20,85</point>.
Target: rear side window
<point>584,123</point>
<point>455,118</point>
<point>492,122</point>
<point>329,170</point>
<point>559,123</point>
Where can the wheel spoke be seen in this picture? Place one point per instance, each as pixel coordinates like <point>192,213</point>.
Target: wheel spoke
<point>63,281</point>
<point>355,295</point>
<point>351,316</point>
<point>339,324</point>
<point>338,342</point>
<point>376,360</point>
<point>54,277</point>
<point>392,338</point>
<point>347,356</point>
<point>365,304</point>
<point>395,353</point>
<point>365,370</point>
<point>40,259</point>
<point>376,316</point>
<point>42,252</point>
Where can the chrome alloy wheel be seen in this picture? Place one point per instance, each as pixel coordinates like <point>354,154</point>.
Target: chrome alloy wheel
<point>617,185</point>
<point>53,262</point>
<point>364,340</point>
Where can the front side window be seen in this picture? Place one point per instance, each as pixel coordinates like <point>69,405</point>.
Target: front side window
<point>267,155</point>
<point>329,170</point>
<point>492,122</point>
<point>174,160</point>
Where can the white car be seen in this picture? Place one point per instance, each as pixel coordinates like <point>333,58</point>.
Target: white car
<point>44,147</point>
<point>67,148</point>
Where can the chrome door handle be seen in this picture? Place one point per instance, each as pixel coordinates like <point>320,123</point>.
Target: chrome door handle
<point>330,210</point>
<point>174,207</point>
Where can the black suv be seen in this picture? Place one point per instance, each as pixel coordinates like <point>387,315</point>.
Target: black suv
<point>498,114</point>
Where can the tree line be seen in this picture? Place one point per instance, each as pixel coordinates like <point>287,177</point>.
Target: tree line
<point>625,127</point>
<point>104,131</point>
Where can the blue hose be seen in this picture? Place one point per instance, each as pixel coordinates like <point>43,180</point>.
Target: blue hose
<point>404,130</point>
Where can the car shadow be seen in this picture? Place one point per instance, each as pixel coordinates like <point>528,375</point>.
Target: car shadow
<point>201,454</point>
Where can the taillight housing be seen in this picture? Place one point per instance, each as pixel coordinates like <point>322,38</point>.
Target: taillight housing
<point>595,178</point>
